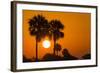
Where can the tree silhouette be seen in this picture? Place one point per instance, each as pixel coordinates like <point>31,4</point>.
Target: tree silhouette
<point>57,48</point>
<point>55,30</point>
<point>38,27</point>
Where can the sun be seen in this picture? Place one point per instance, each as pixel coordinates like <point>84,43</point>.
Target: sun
<point>46,44</point>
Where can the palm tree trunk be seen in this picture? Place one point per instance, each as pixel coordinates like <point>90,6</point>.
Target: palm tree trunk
<point>36,49</point>
<point>54,45</point>
<point>57,53</point>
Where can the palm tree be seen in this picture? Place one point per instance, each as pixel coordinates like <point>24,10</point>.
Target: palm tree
<point>56,27</point>
<point>38,27</point>
<point>57,48</point>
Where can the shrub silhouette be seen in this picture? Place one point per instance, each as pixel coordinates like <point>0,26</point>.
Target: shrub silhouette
<point>67,55</point>
<point>26,59</point>
<point>51,57</point>
<point>86,56</point>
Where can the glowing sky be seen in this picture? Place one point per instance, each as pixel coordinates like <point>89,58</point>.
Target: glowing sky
<point>77,33</point>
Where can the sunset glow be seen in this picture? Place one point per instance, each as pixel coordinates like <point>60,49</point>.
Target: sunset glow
<point>46,44</point>
<point>77,34</point>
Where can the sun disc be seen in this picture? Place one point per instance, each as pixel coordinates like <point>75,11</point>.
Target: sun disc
<point>46,44</point>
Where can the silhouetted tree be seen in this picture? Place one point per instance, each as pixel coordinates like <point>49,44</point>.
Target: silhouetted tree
<point>57,48</point>
<point>67,55</point>
<point>38,27</point>
<point>55,30</point>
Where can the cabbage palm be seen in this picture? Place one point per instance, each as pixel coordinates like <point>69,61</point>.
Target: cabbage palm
<point>38,27</point>
<point>56,30</point>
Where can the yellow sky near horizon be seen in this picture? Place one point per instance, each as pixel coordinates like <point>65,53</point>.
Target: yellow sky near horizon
<point>77,32</point>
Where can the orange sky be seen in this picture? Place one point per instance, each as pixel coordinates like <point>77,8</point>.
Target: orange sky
<point>76,33</point>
